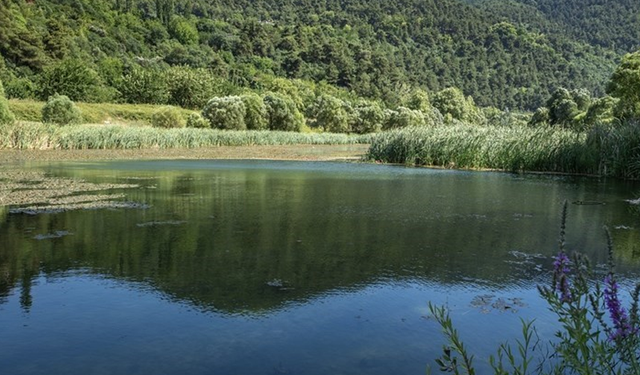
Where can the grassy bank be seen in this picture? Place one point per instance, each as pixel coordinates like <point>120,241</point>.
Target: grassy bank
<point>602,151</point>
<point>94,113</point>
<point>33,135</point>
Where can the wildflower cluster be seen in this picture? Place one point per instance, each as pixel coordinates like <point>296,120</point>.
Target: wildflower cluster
<point>617,313</point>
<point>597,335</point>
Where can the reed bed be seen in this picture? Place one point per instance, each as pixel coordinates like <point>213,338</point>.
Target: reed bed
<point>33,135</point>
<point>611,151</point>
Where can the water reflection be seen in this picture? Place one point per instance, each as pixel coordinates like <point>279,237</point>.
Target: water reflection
<point>343,253</point>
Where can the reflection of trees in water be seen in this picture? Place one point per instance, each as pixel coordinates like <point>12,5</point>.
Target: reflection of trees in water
<point>255,240</point>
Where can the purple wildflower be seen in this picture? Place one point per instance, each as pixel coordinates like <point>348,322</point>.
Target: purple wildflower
<point>561,270</point>
<point>618,314</point>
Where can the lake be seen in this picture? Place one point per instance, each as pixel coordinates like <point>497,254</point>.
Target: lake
<point>268,267</point>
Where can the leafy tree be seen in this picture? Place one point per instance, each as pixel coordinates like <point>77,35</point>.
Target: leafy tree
<point>190,88</point>
<point>540,117</point>
<point>625,85</point>
<point>601,111</point>
<point>60,110</point>
<point>282,113</point>
<point>404,117</point>
<point>256,112</point>
<point>419,100</point>
<point>331,114</point>
<point>69,77</point>
<point>225,113</point>
<point>143,85</point>
<point>453,105</point>
<point>368,117</point>
<point>183,30</point>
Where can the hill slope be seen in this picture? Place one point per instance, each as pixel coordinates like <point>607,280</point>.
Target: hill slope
<point>375,48</point>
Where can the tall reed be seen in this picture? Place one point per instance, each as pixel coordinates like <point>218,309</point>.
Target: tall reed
<point>504,148</point>
<point>31,135</point>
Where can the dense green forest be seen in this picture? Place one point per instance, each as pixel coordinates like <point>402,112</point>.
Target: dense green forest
<point>506,54</point>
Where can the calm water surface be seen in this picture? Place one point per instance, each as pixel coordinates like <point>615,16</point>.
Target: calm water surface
<point>260,267</point>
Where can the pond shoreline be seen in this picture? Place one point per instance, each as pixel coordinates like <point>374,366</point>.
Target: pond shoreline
<point>9,158</point>
<point>27,191</point>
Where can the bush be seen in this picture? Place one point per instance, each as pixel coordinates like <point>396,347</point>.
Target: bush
<point>330,114</point>
<point>71,78</point>
<point>60,110</point>
<point>20,88</point>
<point>453,105</point>
<point>225,113</point>
<point>282,113</point>
<point>196,121</point>
<point>367,118</point>
<point>190,88</point>
<point>167,117</point>
<point>143,85</point>
<point>256,112</point>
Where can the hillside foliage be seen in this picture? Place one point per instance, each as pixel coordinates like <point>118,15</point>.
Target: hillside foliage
<point>121,50</point>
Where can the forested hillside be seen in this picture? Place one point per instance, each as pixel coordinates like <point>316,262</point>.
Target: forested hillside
<point>610,24</point>
<point>502,55</point>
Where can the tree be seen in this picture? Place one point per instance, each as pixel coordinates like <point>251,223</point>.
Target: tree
<point>69,77</point>
<point>367,118</point>
<point>282,113</point>
<point>331,114</point>
<point>226,112</point>
<point>144,85</point>
<point>404,117</point>
<point>625,85</point>
<point>256,112</point>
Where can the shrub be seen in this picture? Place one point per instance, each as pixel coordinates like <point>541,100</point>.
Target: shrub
<point>419,100</point>
<point>190,88</point>
<point>367,118</point>
<point>453,105</point>
<point>167,117</point>
<point>256,112</point>
<point>143,85</point>
<point>404,117</point>
<point>60,110</point>
<point>196,121</point>
<point>331,114</point>
<point>282,113</point>
<point>20,88</point>
<point>225,113</point>
<point>71,78</point>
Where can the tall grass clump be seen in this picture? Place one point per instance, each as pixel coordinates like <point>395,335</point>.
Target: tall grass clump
<point>22,135</point>
<point>619,148</point>
<point>122,137</point>
<point>504,148</point>
<point>60,110</point>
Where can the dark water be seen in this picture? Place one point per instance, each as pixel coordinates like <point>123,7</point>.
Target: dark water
<point>257,267</point>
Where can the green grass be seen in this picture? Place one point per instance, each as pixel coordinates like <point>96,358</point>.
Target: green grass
<point>603,151</point>
<point>33,135</point>
<point>94,113</point>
